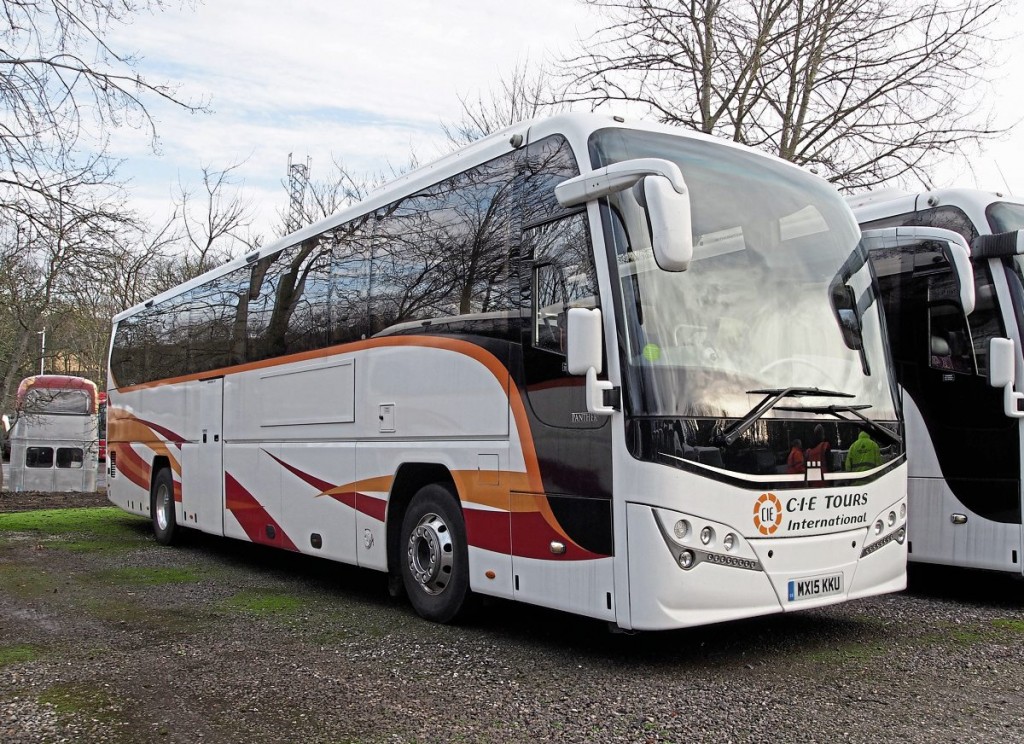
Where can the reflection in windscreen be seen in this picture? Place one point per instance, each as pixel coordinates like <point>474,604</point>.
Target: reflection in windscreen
<point>1005,217</point>
<point>755,309</point>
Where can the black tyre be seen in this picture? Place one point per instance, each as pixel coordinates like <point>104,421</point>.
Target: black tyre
<point>161,507</point>
<point>433,556</point>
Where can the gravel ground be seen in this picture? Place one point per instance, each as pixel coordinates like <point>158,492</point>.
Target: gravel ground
<point>107,636</point>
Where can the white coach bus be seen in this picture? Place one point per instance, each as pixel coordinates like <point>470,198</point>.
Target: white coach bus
<point>958,367</point>
<point>55,434</point>
<point>602,367</point>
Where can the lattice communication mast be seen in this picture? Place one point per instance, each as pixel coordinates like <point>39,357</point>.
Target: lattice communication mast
<point>298,179</point>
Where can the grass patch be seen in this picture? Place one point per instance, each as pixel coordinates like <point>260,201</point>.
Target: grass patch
<point>18,654</point>
<point>69,699</point>
<point>264,603</point>
<point>79,529</point>
<point>848,652</point>
<point>147,576</point>
<point>26,582</point>
<point>106,520</point>
<point>1016,626</point>
<point>966,637</point>
<point>169,621</point>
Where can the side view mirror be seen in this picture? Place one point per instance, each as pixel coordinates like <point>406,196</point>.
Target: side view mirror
<point>668,215</point>
<point>583,336</point>
<point>1001,365</point>
<point>583,355</point>
<point>659,187</point>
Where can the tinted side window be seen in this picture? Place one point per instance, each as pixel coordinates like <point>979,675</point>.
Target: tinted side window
<point>985,322</point>
<point>443,253</point>
<point>350,259</point>
<point>289,300</point>
<point>945,218</point>
<point>564,277</point>
<point>204,319</point>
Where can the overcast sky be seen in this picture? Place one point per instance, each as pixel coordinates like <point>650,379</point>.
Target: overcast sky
<point>366,83</point>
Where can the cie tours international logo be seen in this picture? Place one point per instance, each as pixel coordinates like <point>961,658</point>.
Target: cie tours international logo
<point>767,513</point>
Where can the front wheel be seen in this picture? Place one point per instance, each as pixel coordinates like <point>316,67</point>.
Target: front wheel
<point>434,557</point>
<point>161,507</point>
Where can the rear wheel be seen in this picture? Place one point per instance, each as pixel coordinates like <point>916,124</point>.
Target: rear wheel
<point>161,507</point>
<point>434,558</point>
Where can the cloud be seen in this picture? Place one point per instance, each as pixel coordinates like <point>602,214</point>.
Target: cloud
<point>366,83</point>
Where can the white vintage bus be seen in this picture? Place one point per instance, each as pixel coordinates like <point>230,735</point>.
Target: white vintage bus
<point>55,434</point>
<point>608,368</point>
<point>958,362</point>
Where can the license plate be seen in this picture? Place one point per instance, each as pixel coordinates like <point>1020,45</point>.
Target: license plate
<point>815,586</point>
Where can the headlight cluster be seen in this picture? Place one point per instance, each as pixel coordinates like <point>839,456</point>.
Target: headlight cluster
<point>891,526</point>
<point>692,544</point>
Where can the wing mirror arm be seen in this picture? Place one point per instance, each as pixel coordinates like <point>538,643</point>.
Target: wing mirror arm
<point>659,187</point>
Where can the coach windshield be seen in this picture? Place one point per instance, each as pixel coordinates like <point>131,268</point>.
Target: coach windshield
<point>778,294</point>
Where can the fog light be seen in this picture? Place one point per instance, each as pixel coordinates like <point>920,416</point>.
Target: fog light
<point>707,535</point>
<point>879,527</point>
<point>892,518</point>
<point>729,541</point>
<point>686,559</point>
<point>901,535</point>
<point>682,529</point>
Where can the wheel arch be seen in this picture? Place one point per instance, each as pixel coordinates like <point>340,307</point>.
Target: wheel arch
<point>159,463</point>
<point>410,478</point>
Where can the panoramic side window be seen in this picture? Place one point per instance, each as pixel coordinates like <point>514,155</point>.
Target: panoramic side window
<point>204,319</point>
<point>442,254</point>
<point>288,307</point>
<point>350,279</point>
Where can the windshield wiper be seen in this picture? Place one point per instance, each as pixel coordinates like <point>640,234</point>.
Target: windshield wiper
<point>773,396</point>
<point>864,421</point>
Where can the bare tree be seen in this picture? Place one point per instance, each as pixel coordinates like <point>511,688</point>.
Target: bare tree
<point>62,87</point>
<point>865,90</point>
<point>525,93</point>
<point>46,257</point>
<point>209,226</point>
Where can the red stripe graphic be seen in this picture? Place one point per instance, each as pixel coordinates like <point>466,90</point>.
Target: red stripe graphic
<point>488,530</point>
<point>534,537</point>
<point>371,506</point>
<point>252,516</point>
<point>131,466</point>
<point>167,434</point>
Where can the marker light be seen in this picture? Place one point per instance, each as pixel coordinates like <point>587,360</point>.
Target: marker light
<point>892,518</point>
<point>707,535</point>
<point>729,541</point>
<point>686,559</point>
<point>682,529</point>
<point>879,527</point>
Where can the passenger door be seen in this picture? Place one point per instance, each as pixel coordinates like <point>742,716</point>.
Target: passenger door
<point>202,459</point>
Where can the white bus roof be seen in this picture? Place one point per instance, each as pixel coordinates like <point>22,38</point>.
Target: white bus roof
<point>869,206</point>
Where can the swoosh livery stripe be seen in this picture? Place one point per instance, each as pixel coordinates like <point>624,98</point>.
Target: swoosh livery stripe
<point>520,497</point>
<point>251,515</point>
